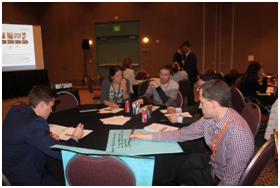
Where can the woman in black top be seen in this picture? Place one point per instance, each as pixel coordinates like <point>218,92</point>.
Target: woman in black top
<point>254,80</point>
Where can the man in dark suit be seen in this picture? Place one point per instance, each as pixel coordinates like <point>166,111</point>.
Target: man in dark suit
<point>26,140</point>
<point>180,56</point>
<point>190,66</point>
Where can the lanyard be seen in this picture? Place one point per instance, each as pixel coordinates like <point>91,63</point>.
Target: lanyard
<point>214,146</point>
<point>165,89</point>
<point>115,98</point>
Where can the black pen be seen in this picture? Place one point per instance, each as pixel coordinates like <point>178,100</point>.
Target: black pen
<point>132,131</point>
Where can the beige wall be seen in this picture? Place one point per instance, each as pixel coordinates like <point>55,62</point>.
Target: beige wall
<point>222,34</point>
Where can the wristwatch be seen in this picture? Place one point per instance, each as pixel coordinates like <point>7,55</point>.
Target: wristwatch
<point>74,138</point>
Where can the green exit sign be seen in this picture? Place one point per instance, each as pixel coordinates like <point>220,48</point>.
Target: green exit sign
<point>117,28</point>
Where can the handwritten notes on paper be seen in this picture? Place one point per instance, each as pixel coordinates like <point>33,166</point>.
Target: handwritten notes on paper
<point>116,120</point>
<point>118,142</point>
<point>65,133</point>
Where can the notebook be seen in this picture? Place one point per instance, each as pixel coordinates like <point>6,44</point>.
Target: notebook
<point>87,108</point>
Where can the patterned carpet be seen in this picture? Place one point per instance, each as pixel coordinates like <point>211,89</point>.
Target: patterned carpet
<point>269,175</point>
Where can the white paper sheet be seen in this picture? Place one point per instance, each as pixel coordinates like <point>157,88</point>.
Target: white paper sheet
<point>116,120</point>
<point>65,133</point>
<point>109,110</point>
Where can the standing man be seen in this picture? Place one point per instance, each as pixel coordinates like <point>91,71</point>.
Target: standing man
<point>226,133</point>
<point>27,139</point>
<point>164,90</point>
<point>190,66</point>
<point>180,56</point>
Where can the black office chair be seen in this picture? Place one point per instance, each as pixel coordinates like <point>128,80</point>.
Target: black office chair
<point>83,170</point>
<point>257,164</point>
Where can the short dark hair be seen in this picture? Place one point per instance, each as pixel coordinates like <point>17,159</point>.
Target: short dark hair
<point>210,76</point>
<point>186,43</point>
<point>217,90</point>
<point>167,67</point>
<point>113,71</point>
<point>41,93</point>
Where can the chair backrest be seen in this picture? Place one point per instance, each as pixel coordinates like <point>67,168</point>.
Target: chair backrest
<point>233,71</point>
<point>252,114</point>
<point>184,86</point>
<point>66,100</point>
<point>257,164</point>
<point>16,104</point>
<point>237,100</point>
<point>141,75</point>
<point>208,70</point>
<point>179,100</point>
<point>221,74</point>
<point>238,82</point>
<point>83,170</point>
<point>275,133</point>
<point>142,88</point>
<point>5,181</point>
<point>100,78</point>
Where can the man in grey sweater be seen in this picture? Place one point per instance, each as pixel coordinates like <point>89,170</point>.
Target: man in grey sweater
<point>164,90</point>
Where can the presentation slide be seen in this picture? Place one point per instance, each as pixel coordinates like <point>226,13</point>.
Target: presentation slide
<point>19,47</point>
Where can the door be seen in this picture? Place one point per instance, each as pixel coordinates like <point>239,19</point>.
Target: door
<point>113,45</point>
<point>112,50</point>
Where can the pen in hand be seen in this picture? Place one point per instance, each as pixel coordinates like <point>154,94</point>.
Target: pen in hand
<point>132,131</point>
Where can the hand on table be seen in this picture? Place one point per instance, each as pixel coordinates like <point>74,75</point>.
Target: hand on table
<point>55,136</point>
<point>140,136</point>
<point>113,105</point>
<point>79,131</point>
<point>171,110</point>
<point>173,118</point>
<point>154,84</point>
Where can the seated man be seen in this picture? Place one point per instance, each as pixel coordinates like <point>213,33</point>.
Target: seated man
<point>27,139</point>
<point>193,109</point>
<point>177,73</point>
<point>225,132</point>
<point>164,90</point>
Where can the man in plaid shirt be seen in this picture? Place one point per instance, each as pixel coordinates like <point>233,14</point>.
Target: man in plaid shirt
<point>225,132</point>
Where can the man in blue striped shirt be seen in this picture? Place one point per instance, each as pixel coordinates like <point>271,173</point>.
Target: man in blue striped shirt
<point>225,132</point>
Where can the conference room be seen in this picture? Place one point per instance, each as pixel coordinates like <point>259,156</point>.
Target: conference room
<point>72,47</point>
